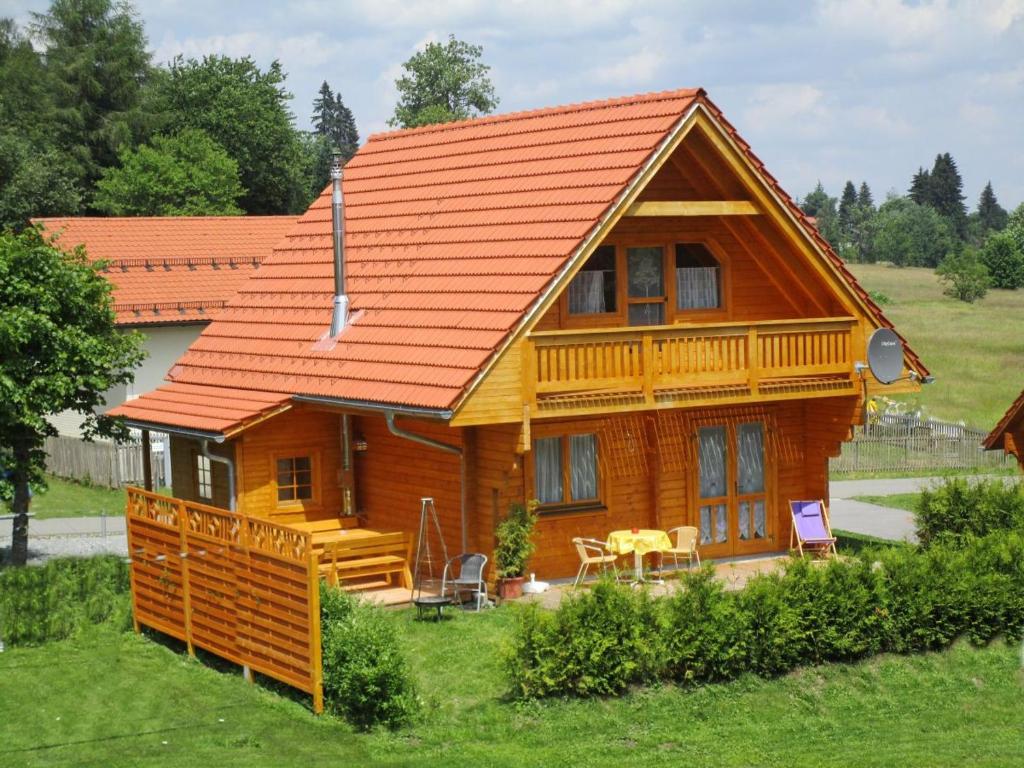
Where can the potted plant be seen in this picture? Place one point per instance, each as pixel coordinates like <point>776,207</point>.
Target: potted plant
<point>514,547</point>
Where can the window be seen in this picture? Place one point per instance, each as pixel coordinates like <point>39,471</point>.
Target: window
<point>565,470</point>
<point>204,477</point>
<point>645,279</point>
<point>592,291</point>
<point>698,278</point>
<point>294,479</point>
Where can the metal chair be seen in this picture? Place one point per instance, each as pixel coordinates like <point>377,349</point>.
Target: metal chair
<point>470,576</point>
<point>593,552</point>
<point>685,544</point>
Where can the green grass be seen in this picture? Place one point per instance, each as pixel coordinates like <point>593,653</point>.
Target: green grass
<point>65,498</point>
<point>969,348</point>
<point>110,699</point>
<point>850,542</point>
<point>907,501</point>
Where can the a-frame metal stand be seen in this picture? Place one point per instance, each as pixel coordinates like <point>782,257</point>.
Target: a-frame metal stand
<point>428,570</point>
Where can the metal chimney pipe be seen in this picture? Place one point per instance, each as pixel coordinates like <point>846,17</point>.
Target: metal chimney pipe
<point>340,316</point>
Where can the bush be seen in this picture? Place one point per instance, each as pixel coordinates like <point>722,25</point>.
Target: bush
<point>56,600</point>
<point>957,509</point>
<point>598,642</point>
<point>1004,260</point>
<point>965,276</point>
<point>898,599</point>
<point>367,679</point>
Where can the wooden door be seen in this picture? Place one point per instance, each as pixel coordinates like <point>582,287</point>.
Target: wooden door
<point>731,485</point>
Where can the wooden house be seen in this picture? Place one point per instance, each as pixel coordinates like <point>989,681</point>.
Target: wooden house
<point>610,307</point>
<point>1008,434</point>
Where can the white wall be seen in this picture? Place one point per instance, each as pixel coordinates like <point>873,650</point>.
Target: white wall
<point>163,344</point>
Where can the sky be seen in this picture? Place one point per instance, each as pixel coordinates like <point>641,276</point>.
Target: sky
<point>827,90</point>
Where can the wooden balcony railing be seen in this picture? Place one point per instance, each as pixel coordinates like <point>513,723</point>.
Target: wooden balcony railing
<point>646,361</point>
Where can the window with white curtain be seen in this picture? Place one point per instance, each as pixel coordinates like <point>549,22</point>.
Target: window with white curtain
<point>204,477</point>
<point>592,291</point>
<point>565,470</point>
<point>698,278</point>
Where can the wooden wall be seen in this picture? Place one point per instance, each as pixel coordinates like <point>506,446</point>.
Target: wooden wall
<point>183,471</point>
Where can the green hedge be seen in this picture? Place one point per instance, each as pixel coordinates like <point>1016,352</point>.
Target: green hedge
<point>957,509</point>
<point>898,599</point>
<point>55,600</point>
<point>367,679</point>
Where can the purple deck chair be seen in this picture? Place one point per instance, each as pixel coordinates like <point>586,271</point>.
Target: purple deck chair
<point>810,527</point>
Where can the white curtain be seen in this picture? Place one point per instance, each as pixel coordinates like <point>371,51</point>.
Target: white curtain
<point>586,293</point>
<point>751,458</point>
<point>711,462</point>
<point>697,287</point>
<point>547,456</point>
<point>713,524</point>
<point>583,466</point>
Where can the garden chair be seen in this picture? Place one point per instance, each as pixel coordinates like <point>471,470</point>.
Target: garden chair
<point>593,552</point>
<point>685,538</point>
<point>811,529</point>
<point>469,577</point>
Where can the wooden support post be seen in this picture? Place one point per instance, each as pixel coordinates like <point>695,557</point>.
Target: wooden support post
<point>648,363</point>
<point>147,462</point>
<point>753,360</point>
<point>529,365</point>
<point>315,653</point>
<point>186,590</point>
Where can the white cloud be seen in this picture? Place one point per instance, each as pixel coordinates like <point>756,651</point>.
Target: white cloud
<point>797,108</point>
<point>636,68</point>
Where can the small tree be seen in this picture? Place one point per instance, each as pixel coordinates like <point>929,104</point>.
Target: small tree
<point>1004,260</point>
<point>515,540</point>
<point>184,175</point>
<point>965,275</point>
<point>442,83</point>
<point>59,351</point>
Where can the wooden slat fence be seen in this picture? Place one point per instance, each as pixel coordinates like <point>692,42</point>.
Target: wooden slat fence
<point>102,462</point>
<point>905,442</point>
<point>240,587</point>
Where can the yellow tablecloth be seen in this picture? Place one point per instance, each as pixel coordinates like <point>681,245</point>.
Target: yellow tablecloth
<point>641,542</point>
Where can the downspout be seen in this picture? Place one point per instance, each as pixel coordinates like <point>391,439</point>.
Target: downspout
<point>340,315</point>
<point>397,431</point>
<point>204,446</point>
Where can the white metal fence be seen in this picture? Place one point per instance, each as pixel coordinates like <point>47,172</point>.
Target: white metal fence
<point>106,463</point>
<point>906,442</point>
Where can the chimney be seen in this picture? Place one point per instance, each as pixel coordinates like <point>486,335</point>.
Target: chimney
<point>340,315</point>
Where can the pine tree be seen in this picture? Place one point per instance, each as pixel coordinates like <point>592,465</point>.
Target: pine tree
<point>323,110</point>
<point>332,119</point>
<point>822,207</point>
<point>847,203</point>
<point>992,217</point>
<point>920,187</point>
<point>947,193</point>
<point>864,198</point>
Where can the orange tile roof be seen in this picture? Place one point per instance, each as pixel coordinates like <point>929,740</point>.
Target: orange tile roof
<point>203,409</point>
<point>1013,417</point>
<point>173,269</point>
<point>452,233</point>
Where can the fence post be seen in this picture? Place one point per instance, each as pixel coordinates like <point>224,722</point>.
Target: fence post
<point>315,653</point>
<point>185,586</point>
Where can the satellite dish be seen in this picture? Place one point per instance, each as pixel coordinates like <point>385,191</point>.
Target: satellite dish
<point>885,355</point>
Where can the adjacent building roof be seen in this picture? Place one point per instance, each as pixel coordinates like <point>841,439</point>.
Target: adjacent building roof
<point>179,269</point>
<point>1012,421</point>
<point>453,232</point>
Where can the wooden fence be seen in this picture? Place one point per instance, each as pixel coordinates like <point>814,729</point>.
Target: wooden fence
<point>240,587</point>
<point>102,462</point>
<point>898,443</point>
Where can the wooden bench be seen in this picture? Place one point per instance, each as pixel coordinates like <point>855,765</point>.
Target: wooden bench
<point>382,554</point>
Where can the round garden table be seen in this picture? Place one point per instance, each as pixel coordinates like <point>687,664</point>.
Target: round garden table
<point>639,543</point>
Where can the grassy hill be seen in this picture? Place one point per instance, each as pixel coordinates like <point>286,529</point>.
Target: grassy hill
<point>975,351</point>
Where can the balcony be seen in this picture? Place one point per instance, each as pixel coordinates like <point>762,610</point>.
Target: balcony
<point>579,372</point>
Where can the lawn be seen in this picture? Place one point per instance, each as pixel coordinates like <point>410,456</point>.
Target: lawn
<point>109,699</point>
<point>65,498</point>
<point>970,348</point>
<point>907,501</point>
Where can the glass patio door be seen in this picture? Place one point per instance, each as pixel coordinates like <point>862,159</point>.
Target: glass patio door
<point>732,504</point>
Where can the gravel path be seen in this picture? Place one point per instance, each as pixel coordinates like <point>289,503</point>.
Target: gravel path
<point>68,537</point>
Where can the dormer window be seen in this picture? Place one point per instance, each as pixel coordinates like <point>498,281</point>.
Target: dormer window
<point>592,291</point>
<point>698,278</point>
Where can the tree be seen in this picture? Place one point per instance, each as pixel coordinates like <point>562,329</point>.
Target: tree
<point>945,193</point>
<point>921,187</point>
<point>910,235</point>
<point>864,198</point>
<point>826,218</point>
<point>965,276</point>
<point>992,217</point>
<point>442,83</point>
<point>318,156</point>
<point>184,175</point>
<point>245,110</point>
<point>331,118</point>
<point>96,56</point>
<point>856,209</point>
<point>59,351</point>
<point>1004,260</point>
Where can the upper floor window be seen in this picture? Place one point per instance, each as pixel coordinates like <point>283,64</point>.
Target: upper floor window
<point>565,470</point>
<point>698,278</point>
<point>204,477</point>
<point>294,479</point>
<point>592,291</point>
<point>645,273</point>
